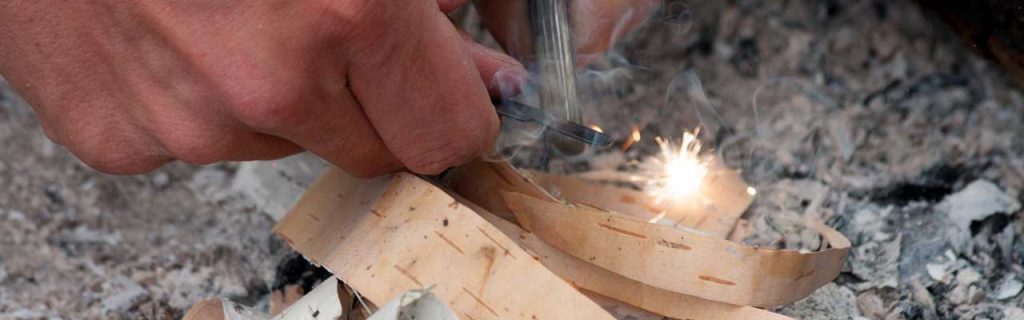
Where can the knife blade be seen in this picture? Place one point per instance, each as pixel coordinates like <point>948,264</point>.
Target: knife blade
<point>518,111</point>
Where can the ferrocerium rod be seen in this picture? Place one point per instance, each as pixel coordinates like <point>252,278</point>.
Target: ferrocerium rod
<point>555,63</point>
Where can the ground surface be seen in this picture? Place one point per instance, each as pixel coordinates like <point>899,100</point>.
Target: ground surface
<point>77,244</point>
<point>869,115</point>
<point>865,114</point>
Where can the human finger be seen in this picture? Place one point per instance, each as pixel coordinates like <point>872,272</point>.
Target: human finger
<point>424,97</point>
<point>501,73</point>
<point>327,120</point>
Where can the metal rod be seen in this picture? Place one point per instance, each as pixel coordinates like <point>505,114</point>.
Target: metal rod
<point>555,63</point>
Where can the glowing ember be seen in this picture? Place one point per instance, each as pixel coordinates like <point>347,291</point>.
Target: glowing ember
<point>678,172</point>
<point>634,137</point>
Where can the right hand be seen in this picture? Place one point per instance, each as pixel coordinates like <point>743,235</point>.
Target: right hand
<point>596,24</point>
<point>371,86</point>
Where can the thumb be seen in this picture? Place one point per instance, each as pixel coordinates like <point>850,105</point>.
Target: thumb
<point>501,73</point>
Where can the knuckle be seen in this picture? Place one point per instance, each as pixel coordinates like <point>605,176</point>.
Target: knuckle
<point>478,129</point>
<point>264,114</point>
<point>110,146</point>
<point>264,105</point>
<point>194,151</point>
<point>125,158</point>
<point>190,138</point>
<point>428,158</point>
<point>360,156</point>
<point>487,128</point>
<point>467,136</point>
<point>118,166</point>
<point>369,25</point>
<point>193,146</point>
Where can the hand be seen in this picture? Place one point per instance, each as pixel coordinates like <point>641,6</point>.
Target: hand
<point>371,86</point>
<point>596,24</point>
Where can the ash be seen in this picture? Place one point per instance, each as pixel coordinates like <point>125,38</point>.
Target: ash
<point>77,244</point>
<point>869,115</point>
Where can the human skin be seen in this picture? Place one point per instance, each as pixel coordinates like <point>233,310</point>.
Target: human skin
<point>370,86</point>
<point>597,24</point>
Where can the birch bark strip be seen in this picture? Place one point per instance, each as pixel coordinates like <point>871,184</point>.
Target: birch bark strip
<point>722,199</point>
<point>593,278</point>
<point>391,234</point>
<point>682,261</point>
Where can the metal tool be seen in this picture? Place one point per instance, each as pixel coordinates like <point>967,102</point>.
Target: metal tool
<point>576,133</point>
<point>555,68</point>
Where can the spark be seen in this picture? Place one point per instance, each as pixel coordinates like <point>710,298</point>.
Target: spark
<point>751,191</point>
<point>658,217</point>
<point>678,172</point>
<point>634,137</point>
<point>596,128</point>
